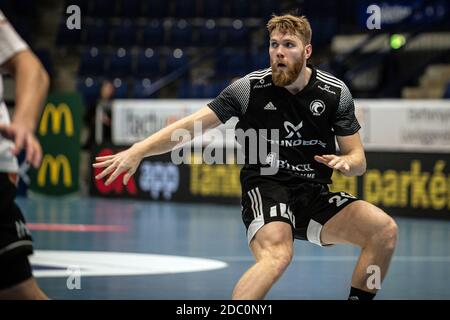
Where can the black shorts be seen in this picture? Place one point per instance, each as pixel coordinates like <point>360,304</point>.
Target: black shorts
<point>306,206</point>
<point>15,238</point>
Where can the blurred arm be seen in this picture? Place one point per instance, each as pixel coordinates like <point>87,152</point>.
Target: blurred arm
<point>32,82</point>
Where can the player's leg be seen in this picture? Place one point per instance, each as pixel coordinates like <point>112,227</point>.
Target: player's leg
<point>363,224</point>
<point>272,247</point>
<point>18,282</point>
<point>269,223</point>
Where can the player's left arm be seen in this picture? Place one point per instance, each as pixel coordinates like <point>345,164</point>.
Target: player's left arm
<point>351,161</point>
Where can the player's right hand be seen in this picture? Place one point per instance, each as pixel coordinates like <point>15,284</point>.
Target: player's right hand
<point>23,138</point>
<point>126,161</point>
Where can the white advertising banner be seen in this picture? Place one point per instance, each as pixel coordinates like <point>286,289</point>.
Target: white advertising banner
<point>405,125</point>
<point>134,120</point>
<point>387,125</point>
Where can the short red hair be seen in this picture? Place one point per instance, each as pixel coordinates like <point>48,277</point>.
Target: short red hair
<point>290,24</point>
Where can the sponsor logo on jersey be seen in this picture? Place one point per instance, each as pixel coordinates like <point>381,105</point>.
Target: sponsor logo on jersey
<point>270,106</point>
<point>317,107</point>
<point>272,160</point>
<point>293,131</point>
<point>304,167</point>
<point>261,84</point>
<point>326,88</point>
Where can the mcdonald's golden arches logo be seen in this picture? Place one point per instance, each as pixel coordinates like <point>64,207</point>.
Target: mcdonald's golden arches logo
<point>56,164</point>
<point>57,114</point>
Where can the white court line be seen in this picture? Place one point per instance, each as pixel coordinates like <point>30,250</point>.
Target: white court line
<point>342,258</point>
<point>101,263</point>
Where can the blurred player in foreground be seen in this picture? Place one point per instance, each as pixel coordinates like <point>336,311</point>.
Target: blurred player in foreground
<point>32,82</point>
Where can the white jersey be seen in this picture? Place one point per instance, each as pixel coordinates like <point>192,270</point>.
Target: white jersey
<point>10,44</point>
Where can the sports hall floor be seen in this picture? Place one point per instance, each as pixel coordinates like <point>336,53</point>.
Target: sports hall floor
<point>93,248</point>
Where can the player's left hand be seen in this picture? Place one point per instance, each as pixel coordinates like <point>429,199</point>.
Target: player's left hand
<point>23,138</point>
<point>126,161</point>
<point>334,162</point>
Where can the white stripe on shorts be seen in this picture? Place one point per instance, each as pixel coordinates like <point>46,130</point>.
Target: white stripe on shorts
<point>250,194</point>
<point>260,202</point>
<point>254,227</point>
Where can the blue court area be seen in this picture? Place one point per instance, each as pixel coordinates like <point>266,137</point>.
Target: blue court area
<point>166,236</point>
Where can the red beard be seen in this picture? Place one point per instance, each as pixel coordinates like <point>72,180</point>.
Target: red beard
<point>286,77</point>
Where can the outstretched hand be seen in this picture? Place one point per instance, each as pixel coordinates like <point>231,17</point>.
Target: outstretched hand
<point>23,138</point>
<point>334,162</point>
<point>126,161</point>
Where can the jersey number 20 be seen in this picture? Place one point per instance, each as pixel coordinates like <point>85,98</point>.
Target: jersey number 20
<point>340,200</point>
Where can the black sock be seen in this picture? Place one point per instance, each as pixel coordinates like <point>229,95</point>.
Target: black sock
<point>358,294</point>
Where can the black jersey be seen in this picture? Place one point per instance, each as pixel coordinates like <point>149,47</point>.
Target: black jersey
<point>307,122</point>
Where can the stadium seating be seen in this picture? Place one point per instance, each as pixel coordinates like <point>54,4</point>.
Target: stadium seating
<point>97,33</point>
<point>67,37</point>
<point>89,89</point>
<point>209,34</point>
<point>124,34</point>
<point>152,34</point>
<point>176,60</point>
<point>148,64</point>
<point>185,8</point>
<point>180,35</point>
<point>92,62</point>
<point>120,88</point>
<point>141,89</point>
<point>120,63</point>
<point>130,8</point>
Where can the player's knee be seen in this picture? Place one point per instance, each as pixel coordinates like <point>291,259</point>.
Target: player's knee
<point>280,257</point>
<point>273,246</point>
<point>386,235</point>
<point>391,234</point>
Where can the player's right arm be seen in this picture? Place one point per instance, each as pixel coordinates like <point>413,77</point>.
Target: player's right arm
<point>231,102</point>
<point>160,142</point>
<point>32,82</point>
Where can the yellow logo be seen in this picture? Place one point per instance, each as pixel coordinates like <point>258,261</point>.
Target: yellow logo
<point>55,165</point>
<point>57,114</point>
